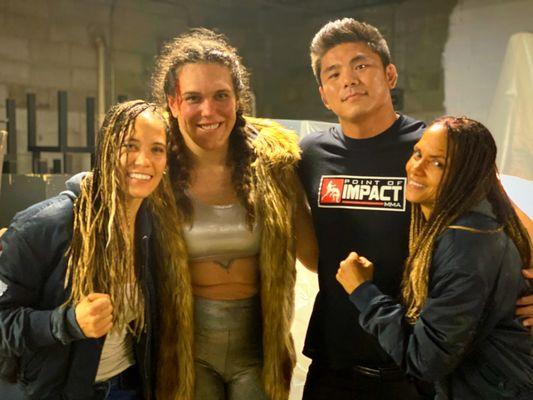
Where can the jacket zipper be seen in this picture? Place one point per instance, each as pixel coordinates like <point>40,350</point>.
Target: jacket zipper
<point>147,301</point>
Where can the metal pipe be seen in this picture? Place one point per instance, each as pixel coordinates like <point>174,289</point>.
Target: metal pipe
<point>90,126</point>
<point>62,125</point>
<point>32,130</point>
<point>101,59</point>
<point>11,110</point>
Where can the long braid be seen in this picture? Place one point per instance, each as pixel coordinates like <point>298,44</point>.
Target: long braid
<point>180,166</point>
<point>470,176</point>
<point>174,286</point>
<point>101,257</point>
<point>241,156</point>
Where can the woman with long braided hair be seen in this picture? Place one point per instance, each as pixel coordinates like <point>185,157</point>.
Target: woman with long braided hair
<point>78,271</point>
<point>456,323</point>
<point>236,190</point>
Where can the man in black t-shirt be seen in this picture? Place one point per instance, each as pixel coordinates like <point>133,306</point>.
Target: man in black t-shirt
<point>354,178</point>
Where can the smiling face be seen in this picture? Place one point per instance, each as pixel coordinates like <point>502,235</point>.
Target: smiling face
<point>355,84</point>
<point>425,168</point>
<point>205,106</point>
<point>143,157</point>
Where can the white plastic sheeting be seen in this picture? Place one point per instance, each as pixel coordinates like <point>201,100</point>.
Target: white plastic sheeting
<point>305,293</point>
<point>511,114</point>
<point>520,191</point>
<point>478,34</point>
<point>305,127</point>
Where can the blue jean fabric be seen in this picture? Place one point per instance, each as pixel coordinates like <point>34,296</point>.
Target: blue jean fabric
<point>116,389</point>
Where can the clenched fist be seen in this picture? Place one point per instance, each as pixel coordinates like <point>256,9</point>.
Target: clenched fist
<point>2,230</point>
<point>525,304</point>
<point>94,315</point>
<point>353,271</point>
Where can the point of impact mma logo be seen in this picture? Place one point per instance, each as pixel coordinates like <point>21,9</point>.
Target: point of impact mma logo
<point>362,192</point>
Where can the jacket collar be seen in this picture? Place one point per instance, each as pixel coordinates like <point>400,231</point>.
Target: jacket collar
<point>73,184</point>
<point>143,223</point>
<point>484,208</point>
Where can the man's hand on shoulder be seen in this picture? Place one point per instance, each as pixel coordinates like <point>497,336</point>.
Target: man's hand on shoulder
<point>524,305</point>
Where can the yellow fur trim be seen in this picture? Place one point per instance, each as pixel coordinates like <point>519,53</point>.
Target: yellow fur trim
<point>274,143</point>
<point>277,154</point>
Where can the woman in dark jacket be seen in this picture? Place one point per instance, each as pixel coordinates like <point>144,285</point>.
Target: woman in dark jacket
<point>456,324</point>
<point>77,271</point>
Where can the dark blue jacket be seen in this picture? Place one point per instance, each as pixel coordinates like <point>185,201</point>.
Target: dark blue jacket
<point>41,344</point>
<point>467,339</point>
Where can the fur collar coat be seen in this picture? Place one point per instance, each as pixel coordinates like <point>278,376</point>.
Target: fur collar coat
<point>276,155</point>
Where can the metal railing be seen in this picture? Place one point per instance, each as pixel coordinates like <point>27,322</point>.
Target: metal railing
<point>10,162</point>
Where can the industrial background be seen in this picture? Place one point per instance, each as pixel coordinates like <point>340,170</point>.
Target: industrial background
<point>64,62</point>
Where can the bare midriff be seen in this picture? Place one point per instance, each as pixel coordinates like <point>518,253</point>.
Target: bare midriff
<point>238,280</point>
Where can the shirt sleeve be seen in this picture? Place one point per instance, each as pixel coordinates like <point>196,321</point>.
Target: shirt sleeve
<point>23,322</point>
<point>433,347</point>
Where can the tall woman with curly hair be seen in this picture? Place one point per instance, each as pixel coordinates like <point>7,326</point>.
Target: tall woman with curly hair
<point>78,271</point>
<point>237,195</point>
<point>456,324</point>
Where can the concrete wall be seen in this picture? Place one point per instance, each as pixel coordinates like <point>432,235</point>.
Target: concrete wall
<point>46,46</point>
<point>416,31</point>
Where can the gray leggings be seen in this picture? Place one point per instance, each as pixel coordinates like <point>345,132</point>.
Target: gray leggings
<point>228,349</point>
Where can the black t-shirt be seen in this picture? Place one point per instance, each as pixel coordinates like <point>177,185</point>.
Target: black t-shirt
<point>356,190</point>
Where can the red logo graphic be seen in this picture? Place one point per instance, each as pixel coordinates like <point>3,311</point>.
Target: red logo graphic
<point>331,190</point>
<point>362,192</point>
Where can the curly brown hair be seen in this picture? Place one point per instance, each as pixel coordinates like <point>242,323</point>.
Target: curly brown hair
<point>470,175</point>
<point>202,45</point>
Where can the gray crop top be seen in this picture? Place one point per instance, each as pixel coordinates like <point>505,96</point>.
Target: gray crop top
<point>220,233</point>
